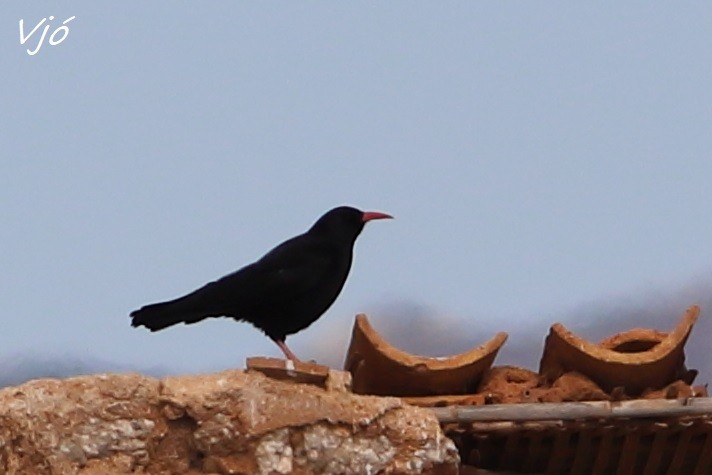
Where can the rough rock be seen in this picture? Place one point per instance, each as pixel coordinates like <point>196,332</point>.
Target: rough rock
<point>225,423</point>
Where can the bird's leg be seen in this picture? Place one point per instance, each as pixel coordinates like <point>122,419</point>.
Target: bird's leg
<point>287,352</point>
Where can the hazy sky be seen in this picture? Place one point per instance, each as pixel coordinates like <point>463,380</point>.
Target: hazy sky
<point>545,161</point>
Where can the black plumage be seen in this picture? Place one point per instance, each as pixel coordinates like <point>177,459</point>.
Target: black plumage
<point>282,293</point>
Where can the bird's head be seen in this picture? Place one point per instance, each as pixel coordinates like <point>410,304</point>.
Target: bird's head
<point>346,221</point>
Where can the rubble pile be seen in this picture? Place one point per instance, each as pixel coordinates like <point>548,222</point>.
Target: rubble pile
<point>635,364</point>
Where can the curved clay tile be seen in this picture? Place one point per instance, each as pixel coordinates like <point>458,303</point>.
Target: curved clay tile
<point>382,369</point>
<point>633,341</point>
<point>657,365</point>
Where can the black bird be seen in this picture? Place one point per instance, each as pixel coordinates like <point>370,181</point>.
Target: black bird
<point>282,293</point>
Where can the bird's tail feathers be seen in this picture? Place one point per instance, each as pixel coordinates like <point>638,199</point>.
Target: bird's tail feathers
<point>158,316</point>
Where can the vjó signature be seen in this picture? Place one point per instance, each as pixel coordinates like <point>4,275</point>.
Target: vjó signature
<point>61,31</point>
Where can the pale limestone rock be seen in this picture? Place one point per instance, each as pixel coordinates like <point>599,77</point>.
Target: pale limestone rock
<point>225,423</point>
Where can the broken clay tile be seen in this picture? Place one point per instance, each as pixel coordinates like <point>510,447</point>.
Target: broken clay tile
<point>644,339</point>
<point>288,370</point>
<point>700,391</point>
<point>575,386</point>
<point>675,390</point>
<point>445,400</point>
<point>379,368</point>
<point>633,341</point>
<point>495,377</point>
<point>508,384</point>
<point>655,367</point>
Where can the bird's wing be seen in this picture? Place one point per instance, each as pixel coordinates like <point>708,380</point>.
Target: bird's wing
<point>286,272</point>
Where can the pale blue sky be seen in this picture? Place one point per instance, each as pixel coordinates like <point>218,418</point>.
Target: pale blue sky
<point>544,160</point>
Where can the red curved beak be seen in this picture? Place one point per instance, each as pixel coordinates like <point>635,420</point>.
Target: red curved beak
<point>371,215</point>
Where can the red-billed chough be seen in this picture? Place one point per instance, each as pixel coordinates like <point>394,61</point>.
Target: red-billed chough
<point>283,292</point>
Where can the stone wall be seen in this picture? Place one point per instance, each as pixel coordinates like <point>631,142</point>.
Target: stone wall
<point>231,422</point>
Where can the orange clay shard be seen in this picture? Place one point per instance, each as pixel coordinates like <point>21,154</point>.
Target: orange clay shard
<point>635,360</point>
<point>380,368</point>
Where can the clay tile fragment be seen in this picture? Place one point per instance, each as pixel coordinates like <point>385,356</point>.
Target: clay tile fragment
<point>677,390</point>
<point>288,370</point>
<point>508,384</point>
<point>633,341</point>
<point>573,386</point>
<point>635,360</point>
<point>379,368</point>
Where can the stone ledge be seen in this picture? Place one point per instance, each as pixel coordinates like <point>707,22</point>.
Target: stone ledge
<point>230,422</point>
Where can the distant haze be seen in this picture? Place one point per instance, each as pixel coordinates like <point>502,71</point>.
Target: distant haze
<point>421,329</point>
